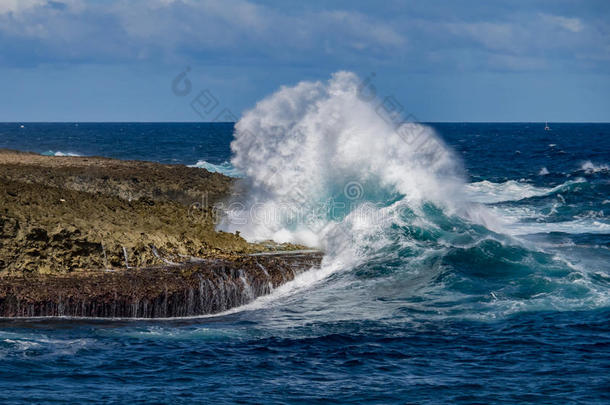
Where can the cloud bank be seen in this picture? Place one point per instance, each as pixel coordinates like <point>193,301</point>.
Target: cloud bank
<point>461,36</point>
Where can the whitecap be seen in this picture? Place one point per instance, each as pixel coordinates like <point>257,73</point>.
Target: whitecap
<point>487,192</point>
<point>60,153</point>
<point>589,167</point>
<point>225,168</point>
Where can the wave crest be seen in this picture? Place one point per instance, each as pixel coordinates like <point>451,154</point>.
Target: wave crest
<point>225,168</point>
<point>60,153</point>
<point>321,142</point>
<point>590,168</point>
<point>388,203</point>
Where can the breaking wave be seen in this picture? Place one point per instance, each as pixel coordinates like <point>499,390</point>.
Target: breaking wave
<point>225,168</point>
<point>327,166</point>
<point>489,192</point>
<point>60,153</point>
<point>589,167</point>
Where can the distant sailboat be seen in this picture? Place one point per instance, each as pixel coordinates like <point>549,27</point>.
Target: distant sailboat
<point>546,126</point>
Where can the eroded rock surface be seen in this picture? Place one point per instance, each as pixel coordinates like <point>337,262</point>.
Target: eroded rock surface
<point>206,287</point>
<point>97,234</point>
<point>62,214</point>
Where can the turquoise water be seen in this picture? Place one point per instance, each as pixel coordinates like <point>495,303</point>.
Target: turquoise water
<point>433,304</point>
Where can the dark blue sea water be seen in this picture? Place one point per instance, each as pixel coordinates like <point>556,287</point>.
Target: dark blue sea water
<point>441,310</point>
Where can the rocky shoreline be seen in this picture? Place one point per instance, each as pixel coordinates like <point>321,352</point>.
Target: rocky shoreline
<point>202,288</point>
<point>98,237</point>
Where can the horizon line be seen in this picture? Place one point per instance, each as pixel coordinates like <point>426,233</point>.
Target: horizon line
<point>234,122</point>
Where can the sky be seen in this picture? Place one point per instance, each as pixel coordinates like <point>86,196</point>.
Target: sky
<point>460,60</point>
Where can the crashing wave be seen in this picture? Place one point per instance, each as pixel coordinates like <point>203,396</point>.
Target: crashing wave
<point>487,192</point>
<point>313,153</point>
<point>60,153</point>
<point>590,168</point>
<point>387,201</point>
<point>225,168</point>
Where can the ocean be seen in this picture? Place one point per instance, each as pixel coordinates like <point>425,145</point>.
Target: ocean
<point>477,275</point>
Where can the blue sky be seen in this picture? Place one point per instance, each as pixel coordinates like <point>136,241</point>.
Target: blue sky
<point>115,60</point>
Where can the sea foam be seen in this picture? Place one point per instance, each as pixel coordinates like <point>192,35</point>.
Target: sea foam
<point>225,168</point>
<point>390,206</point>
<point>321,143</point>
<point>60,153</point>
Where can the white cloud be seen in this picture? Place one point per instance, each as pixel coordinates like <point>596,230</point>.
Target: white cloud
<point>496,36</point>
<point>366,29</point>
<point>570,24</point>
<point>212,25</point>
<point>18,6</point>
<point>248,31</point>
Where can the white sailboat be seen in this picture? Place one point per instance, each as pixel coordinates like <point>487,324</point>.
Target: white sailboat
<point>546,126</point>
